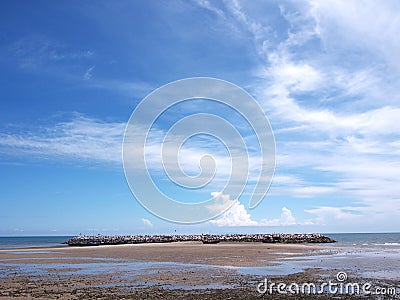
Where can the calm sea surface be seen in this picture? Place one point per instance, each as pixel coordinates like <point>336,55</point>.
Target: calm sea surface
<point>32,241</point>
<point>367,240</point>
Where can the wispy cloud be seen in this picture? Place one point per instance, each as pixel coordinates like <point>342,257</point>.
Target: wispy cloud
<point>369,28</point>
<point>147,223</point>
<point>128,88</point>
<point>207,5</point>
<point>329,86</point>
<point>88,74</point>
<point>80,138</point>
<point>39,53</point>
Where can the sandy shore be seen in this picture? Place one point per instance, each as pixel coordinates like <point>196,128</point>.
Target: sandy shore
<point>233,254</point>
<point>183,270</point>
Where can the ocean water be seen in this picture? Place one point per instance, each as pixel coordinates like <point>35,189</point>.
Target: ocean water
<point>32,241</point>
<point>366,240</point>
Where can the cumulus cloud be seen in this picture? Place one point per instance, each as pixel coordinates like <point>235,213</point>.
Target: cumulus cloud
<point>286,219</point>
<point>221,202</point>
<point>237,215</point>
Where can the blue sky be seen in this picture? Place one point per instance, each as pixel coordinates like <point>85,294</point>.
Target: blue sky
<point>326,73</point>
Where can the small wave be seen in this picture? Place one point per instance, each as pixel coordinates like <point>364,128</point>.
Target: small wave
<point>388,244</point>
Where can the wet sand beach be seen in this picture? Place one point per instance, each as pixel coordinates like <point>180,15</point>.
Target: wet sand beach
<point>234,254</point>
<point>182,270</point>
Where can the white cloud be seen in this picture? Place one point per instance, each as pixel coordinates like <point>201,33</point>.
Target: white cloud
<point>295,76</point>
<point>41,54</point>
<point>88,74</point>
<point>92,140</point>
<point>186,166</point>
<point>80,138</point>
<point>330,89</point>
<point>124,87</point>
<point>285,179</point>
<point>207,5</point>
<point>237,215</point>
<point>328,214</point>
<point>286,219</point>
<point>367,25</point>
<point>221,202</point>
<point>147,223</point>
<point>351,218</point>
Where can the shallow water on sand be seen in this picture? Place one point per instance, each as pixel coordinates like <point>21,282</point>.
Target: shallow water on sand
<point>385,265</point>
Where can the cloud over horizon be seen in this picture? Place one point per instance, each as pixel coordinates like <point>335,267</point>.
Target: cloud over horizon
<point>237,216</point>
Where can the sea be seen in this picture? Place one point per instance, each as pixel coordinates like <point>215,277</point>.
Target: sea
<point>15,242</point>
<point>359,240</point>
<point>366,240</point>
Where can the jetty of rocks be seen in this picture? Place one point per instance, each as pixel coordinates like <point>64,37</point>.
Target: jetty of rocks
<point>83,240</point>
